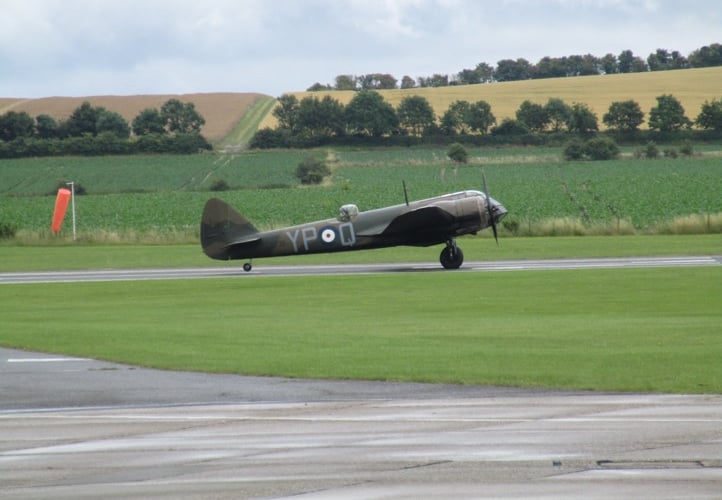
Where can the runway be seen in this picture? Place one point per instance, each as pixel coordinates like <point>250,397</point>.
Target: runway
<point>82,428</point>
<point>348,269</point>
<point>79,428</point>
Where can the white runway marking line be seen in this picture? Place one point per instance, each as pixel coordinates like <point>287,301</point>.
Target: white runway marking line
<point>43,360</point>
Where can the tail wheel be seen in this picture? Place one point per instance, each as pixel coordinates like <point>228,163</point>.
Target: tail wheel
<point>247,266</point>
<point>451,257</point>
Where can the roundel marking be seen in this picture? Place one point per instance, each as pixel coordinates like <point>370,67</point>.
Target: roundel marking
<point>328,235</point>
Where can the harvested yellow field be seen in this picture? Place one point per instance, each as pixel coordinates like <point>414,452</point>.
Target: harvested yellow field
<point>222,111</point>
<point>691,86</point>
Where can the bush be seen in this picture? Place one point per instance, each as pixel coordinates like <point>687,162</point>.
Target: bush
<point>7,231</point>
<point>686,149</point>
<point>574,150</point>
<point>601,148</point>
<point>651,151</point>
<point>312,171</point>
<point>511,127</point>
<point>219,185</point>
<point>457,153</point>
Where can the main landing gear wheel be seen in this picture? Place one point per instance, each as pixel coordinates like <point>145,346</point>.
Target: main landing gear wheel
<point>247,266</point>
<point>451,257</point>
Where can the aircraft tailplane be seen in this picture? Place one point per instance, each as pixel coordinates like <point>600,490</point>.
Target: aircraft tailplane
<point>223,226</point>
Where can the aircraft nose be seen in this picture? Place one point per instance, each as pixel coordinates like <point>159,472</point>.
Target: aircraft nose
<point>497,210</point>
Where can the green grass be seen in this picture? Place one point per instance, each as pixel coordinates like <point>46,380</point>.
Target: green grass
<point>243,132</point>
<point>622,330</point>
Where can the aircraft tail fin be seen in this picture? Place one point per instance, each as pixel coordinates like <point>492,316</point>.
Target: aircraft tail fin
<point>223,226</point>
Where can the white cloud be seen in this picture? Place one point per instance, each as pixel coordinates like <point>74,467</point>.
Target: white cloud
<point>81,47</point>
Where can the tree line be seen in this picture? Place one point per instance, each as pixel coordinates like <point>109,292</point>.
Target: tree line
<point>95,130</point>
<point>369,119</point>
<point>508,70</point>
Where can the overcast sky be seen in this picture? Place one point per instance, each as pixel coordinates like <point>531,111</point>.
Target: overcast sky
<point>121,47</point>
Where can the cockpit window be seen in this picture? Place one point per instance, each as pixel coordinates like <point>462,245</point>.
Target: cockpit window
<point>347,212</point>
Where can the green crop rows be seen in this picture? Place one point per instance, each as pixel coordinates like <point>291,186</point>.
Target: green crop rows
<point>168,192</point>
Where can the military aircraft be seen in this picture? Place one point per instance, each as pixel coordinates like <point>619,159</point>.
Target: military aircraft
<point>227,235</point>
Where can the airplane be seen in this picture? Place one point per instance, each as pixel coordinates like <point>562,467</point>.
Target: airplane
<point>228,235</point>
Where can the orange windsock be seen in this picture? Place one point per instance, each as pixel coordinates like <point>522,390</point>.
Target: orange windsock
<point>61,206</point>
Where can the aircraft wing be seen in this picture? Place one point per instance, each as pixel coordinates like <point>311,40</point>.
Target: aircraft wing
<point>425,220</point>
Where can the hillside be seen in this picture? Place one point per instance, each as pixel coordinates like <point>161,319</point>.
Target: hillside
<point>222,111</point>
<point>691,86</point>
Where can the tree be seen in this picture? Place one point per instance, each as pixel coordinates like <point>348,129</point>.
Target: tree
<point>710,117</point>
<point>628,63</point>
<point>407,82</point>
<point>508,70</point>
<point>708,55</point>
<point>345,82</point>
<point>582,119</point>
<point>286,112</point>
<point>668,115</point>
<point>436,80</point>
<point>14,125</point>
<point>377,81</point>
<point>148,121</point>
<point>82,120</point>
<point>577,65</point>
<point>549,67</point>
<point>181,117</point>
<point>485,72</point>
<point>534,115</point>
<point>112,122</point>
<point>558,112</point>
<point>467,77</point>
<point>624,116</point>
<point>609,64</point>
<point>415,114</point>
<point>321,117</point>
<point>662,60</point>
<point>368,113</point>
<point>319,87</point>
<point>479,117</point>
<point>46,127</point>
<point>455,118</point>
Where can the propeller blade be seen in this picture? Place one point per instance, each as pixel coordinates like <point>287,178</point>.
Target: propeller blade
<point>489,213</point>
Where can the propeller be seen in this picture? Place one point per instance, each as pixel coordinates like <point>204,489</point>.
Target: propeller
<point>492,222</point>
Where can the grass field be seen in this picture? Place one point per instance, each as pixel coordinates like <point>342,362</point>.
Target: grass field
<point>692,87</point>
<point>538,188</point>
<point>247,126</point>
<point>627,330</point>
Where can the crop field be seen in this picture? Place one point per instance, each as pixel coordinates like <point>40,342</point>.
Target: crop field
<point>167,193</point>
<point>691,86</point>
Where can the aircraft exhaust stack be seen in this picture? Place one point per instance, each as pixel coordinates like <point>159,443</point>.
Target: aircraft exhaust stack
<point>221,226</point>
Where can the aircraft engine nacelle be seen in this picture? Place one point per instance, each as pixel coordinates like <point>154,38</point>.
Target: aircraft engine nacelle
<point>468,211</point>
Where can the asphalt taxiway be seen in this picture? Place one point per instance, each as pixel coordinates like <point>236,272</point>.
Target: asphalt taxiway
<point>342,269</point>
<point>80,428</point>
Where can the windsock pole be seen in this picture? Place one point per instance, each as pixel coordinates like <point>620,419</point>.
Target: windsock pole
<point>72,203</point>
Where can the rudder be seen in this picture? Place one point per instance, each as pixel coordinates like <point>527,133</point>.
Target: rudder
<point>223,226</point>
